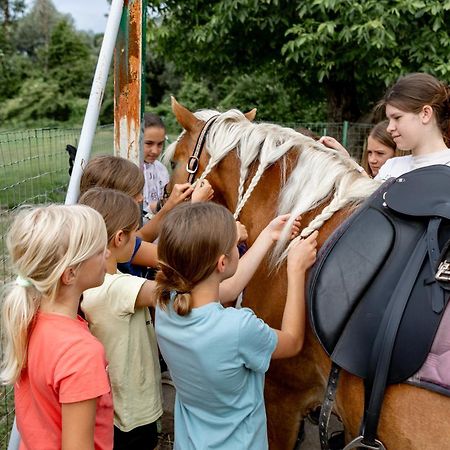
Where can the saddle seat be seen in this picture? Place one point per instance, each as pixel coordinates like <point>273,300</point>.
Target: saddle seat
<point>388,249</point>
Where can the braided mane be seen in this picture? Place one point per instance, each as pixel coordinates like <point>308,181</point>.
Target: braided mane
<point>320,172</point>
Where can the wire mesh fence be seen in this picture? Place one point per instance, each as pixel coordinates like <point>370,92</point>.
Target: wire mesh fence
<point>34,169</point>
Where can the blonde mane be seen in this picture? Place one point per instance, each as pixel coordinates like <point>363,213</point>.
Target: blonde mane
<point>320,172</point>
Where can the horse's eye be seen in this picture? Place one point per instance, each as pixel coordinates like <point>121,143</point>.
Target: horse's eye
<point>173,164</point>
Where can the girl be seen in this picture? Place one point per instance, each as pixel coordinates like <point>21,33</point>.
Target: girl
<point>118,173</point>
<point>62,391</point>
<point>155,173</point>
<point>118,316</point>
<point>418,111</point>
<point>379,148</point>
<point>217,356</point>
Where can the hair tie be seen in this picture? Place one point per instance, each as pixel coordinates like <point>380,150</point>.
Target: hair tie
<point>174,293</point>
<point>23,282</point>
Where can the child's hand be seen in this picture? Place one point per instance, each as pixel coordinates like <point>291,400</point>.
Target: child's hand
<point>180,192</point>
<point>241,232</point>
<point>202,192</point>
<point>331,142</point>
<point>302,253</point>
<point>276,226</point>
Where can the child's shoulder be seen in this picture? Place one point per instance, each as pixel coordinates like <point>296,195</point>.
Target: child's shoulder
<point>121,287</point>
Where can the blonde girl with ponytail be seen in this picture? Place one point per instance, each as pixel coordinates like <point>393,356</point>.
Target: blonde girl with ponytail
<point>218,356</point>
<point>62,391</point>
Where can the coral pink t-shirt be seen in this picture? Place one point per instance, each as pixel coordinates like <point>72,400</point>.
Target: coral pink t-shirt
<point>66,364</point>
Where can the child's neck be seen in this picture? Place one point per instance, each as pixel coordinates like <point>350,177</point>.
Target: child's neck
<point>205,292</point>
<point>66,303</point>
<point>111,262</point>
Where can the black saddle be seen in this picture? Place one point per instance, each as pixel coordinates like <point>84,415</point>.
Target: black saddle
<point>374,302</point>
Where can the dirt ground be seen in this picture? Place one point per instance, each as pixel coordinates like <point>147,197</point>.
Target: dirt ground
<point>310,442</point>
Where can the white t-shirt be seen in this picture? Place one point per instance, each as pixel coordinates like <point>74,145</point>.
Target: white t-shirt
<point>129,339</point>
<point>394,167</point>
<point>156,177</point>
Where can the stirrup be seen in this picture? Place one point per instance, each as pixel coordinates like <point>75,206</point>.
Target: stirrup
<point>358,443</point>
<point>443,272</point>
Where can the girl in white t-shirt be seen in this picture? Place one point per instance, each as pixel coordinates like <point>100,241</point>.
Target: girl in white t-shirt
<point>418,110</point>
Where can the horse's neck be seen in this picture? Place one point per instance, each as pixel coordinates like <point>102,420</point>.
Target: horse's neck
<point>262,205</point>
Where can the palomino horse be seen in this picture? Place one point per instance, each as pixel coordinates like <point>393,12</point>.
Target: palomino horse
<point>257,171</point>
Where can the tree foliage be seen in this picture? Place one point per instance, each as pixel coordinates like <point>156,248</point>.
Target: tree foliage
<point>346,50</point>
<point>46,72</point>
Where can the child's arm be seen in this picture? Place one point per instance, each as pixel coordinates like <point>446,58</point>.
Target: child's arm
<point>146,296</point>
<point>146,255</point>
<point>301,257</point>
<point>78,424</point>
<point>150,231</point>
<point>230,289</point>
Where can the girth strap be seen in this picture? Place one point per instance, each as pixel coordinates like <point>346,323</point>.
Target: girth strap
<point>384,343</point>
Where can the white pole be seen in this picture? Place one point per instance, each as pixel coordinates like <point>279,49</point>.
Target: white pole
<point>95,100</point>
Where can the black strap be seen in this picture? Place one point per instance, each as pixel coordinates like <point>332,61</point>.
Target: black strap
<point>437,293</point>
<point>327,405</point>
<point>193,161</point>
<point>385,340</point>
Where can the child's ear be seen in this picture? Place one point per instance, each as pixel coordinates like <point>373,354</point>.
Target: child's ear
<point>221,265</point>
<point>119,238</point>
<point>68,276</point>
<point>427,113</point>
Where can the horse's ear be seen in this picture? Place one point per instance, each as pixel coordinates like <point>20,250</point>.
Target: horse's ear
<point>184,117</point>
<point>251,115</point>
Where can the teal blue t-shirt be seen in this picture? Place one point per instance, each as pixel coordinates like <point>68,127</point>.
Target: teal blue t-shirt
<point>217,358</point>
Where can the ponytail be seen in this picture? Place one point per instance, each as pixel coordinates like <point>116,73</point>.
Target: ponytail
<point>172,286</point>
<point>20,306</point>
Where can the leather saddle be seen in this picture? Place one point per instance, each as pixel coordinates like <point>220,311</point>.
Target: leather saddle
<point>374,301</point>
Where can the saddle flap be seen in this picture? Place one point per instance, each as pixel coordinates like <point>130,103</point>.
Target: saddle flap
<point>345,272</point>
<point>408,195</point>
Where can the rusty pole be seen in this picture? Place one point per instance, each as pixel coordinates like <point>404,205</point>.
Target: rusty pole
<point>129,94</point>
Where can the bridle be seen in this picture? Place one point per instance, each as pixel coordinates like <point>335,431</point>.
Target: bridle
<point>193,161</point>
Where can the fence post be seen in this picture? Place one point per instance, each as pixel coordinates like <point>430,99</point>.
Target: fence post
<point>95,101</point>
<point>129,98</point>
<point>345,133</point>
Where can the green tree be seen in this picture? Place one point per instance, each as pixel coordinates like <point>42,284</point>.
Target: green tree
<point>343,50</point>
<point>35,29</point>
<point>69,60</point>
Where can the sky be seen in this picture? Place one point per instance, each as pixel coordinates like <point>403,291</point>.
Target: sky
<point>89,15</point>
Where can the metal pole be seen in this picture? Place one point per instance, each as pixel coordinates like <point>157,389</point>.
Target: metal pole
<point>129,86</point>
<point>95,100</point>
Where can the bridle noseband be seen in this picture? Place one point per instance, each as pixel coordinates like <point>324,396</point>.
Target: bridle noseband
<point>193,161</point>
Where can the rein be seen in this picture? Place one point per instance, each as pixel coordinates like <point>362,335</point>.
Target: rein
<point>193,161</point>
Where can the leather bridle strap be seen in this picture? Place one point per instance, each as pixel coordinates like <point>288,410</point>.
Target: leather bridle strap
<point>193,161</point>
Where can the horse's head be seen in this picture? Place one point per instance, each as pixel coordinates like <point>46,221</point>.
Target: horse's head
<point>187,166</point>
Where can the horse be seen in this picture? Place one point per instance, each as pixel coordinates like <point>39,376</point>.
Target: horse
<point>258,170</point>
